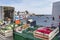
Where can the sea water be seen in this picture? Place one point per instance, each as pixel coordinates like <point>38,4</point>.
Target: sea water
<point>42,20</point>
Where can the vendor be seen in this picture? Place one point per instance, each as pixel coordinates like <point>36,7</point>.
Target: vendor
<point>7,20</point>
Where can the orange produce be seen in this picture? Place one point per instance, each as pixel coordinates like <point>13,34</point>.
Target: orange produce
<point>25,26</point>
<point>17,21</point>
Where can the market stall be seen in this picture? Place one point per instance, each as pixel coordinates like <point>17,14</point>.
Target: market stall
<point>6,30</point>
<point>28,34</point>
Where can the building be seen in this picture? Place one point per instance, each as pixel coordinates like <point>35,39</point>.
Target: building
<point>6,11</point>
<point>23,14</point>
<point>56,12</point>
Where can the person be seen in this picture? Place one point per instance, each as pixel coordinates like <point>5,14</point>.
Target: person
<point>53,22</point>
<point>7,20</point>
<point>53,18</point>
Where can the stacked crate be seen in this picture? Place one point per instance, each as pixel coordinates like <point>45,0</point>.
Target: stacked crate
<point>46,33</point>
<point>6,34</point>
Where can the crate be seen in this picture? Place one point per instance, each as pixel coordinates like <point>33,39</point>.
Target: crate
<point>49,36</point>
<point>7,34</point>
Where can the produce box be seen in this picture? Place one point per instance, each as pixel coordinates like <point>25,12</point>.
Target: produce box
<point>46,33</point>
<point>6,33</point>
<point>28,36</point>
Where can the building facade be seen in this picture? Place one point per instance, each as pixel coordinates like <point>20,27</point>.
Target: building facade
<point>56,13</point>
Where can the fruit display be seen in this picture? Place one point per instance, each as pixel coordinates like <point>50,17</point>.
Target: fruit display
<point>6,33</point>
<point>46,33</point>
<point>7,27</point>
<point>25,26</point>
<point>18,22</point>
<point>18,29</point>
<point>1,22</point>
<point>21,28</point>
<point>6,30</point>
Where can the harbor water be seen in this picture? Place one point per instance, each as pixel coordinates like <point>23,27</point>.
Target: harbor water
<point>41,20</point>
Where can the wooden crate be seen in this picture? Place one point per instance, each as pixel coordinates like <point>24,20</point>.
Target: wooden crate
<point>49,36</point>
<point>7,34</point>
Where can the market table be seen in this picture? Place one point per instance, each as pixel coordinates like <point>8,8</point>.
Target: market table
<point>28,36</point>
<point>23,36</point>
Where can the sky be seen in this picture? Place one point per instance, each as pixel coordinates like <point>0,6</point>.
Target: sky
<point>33,6</point>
